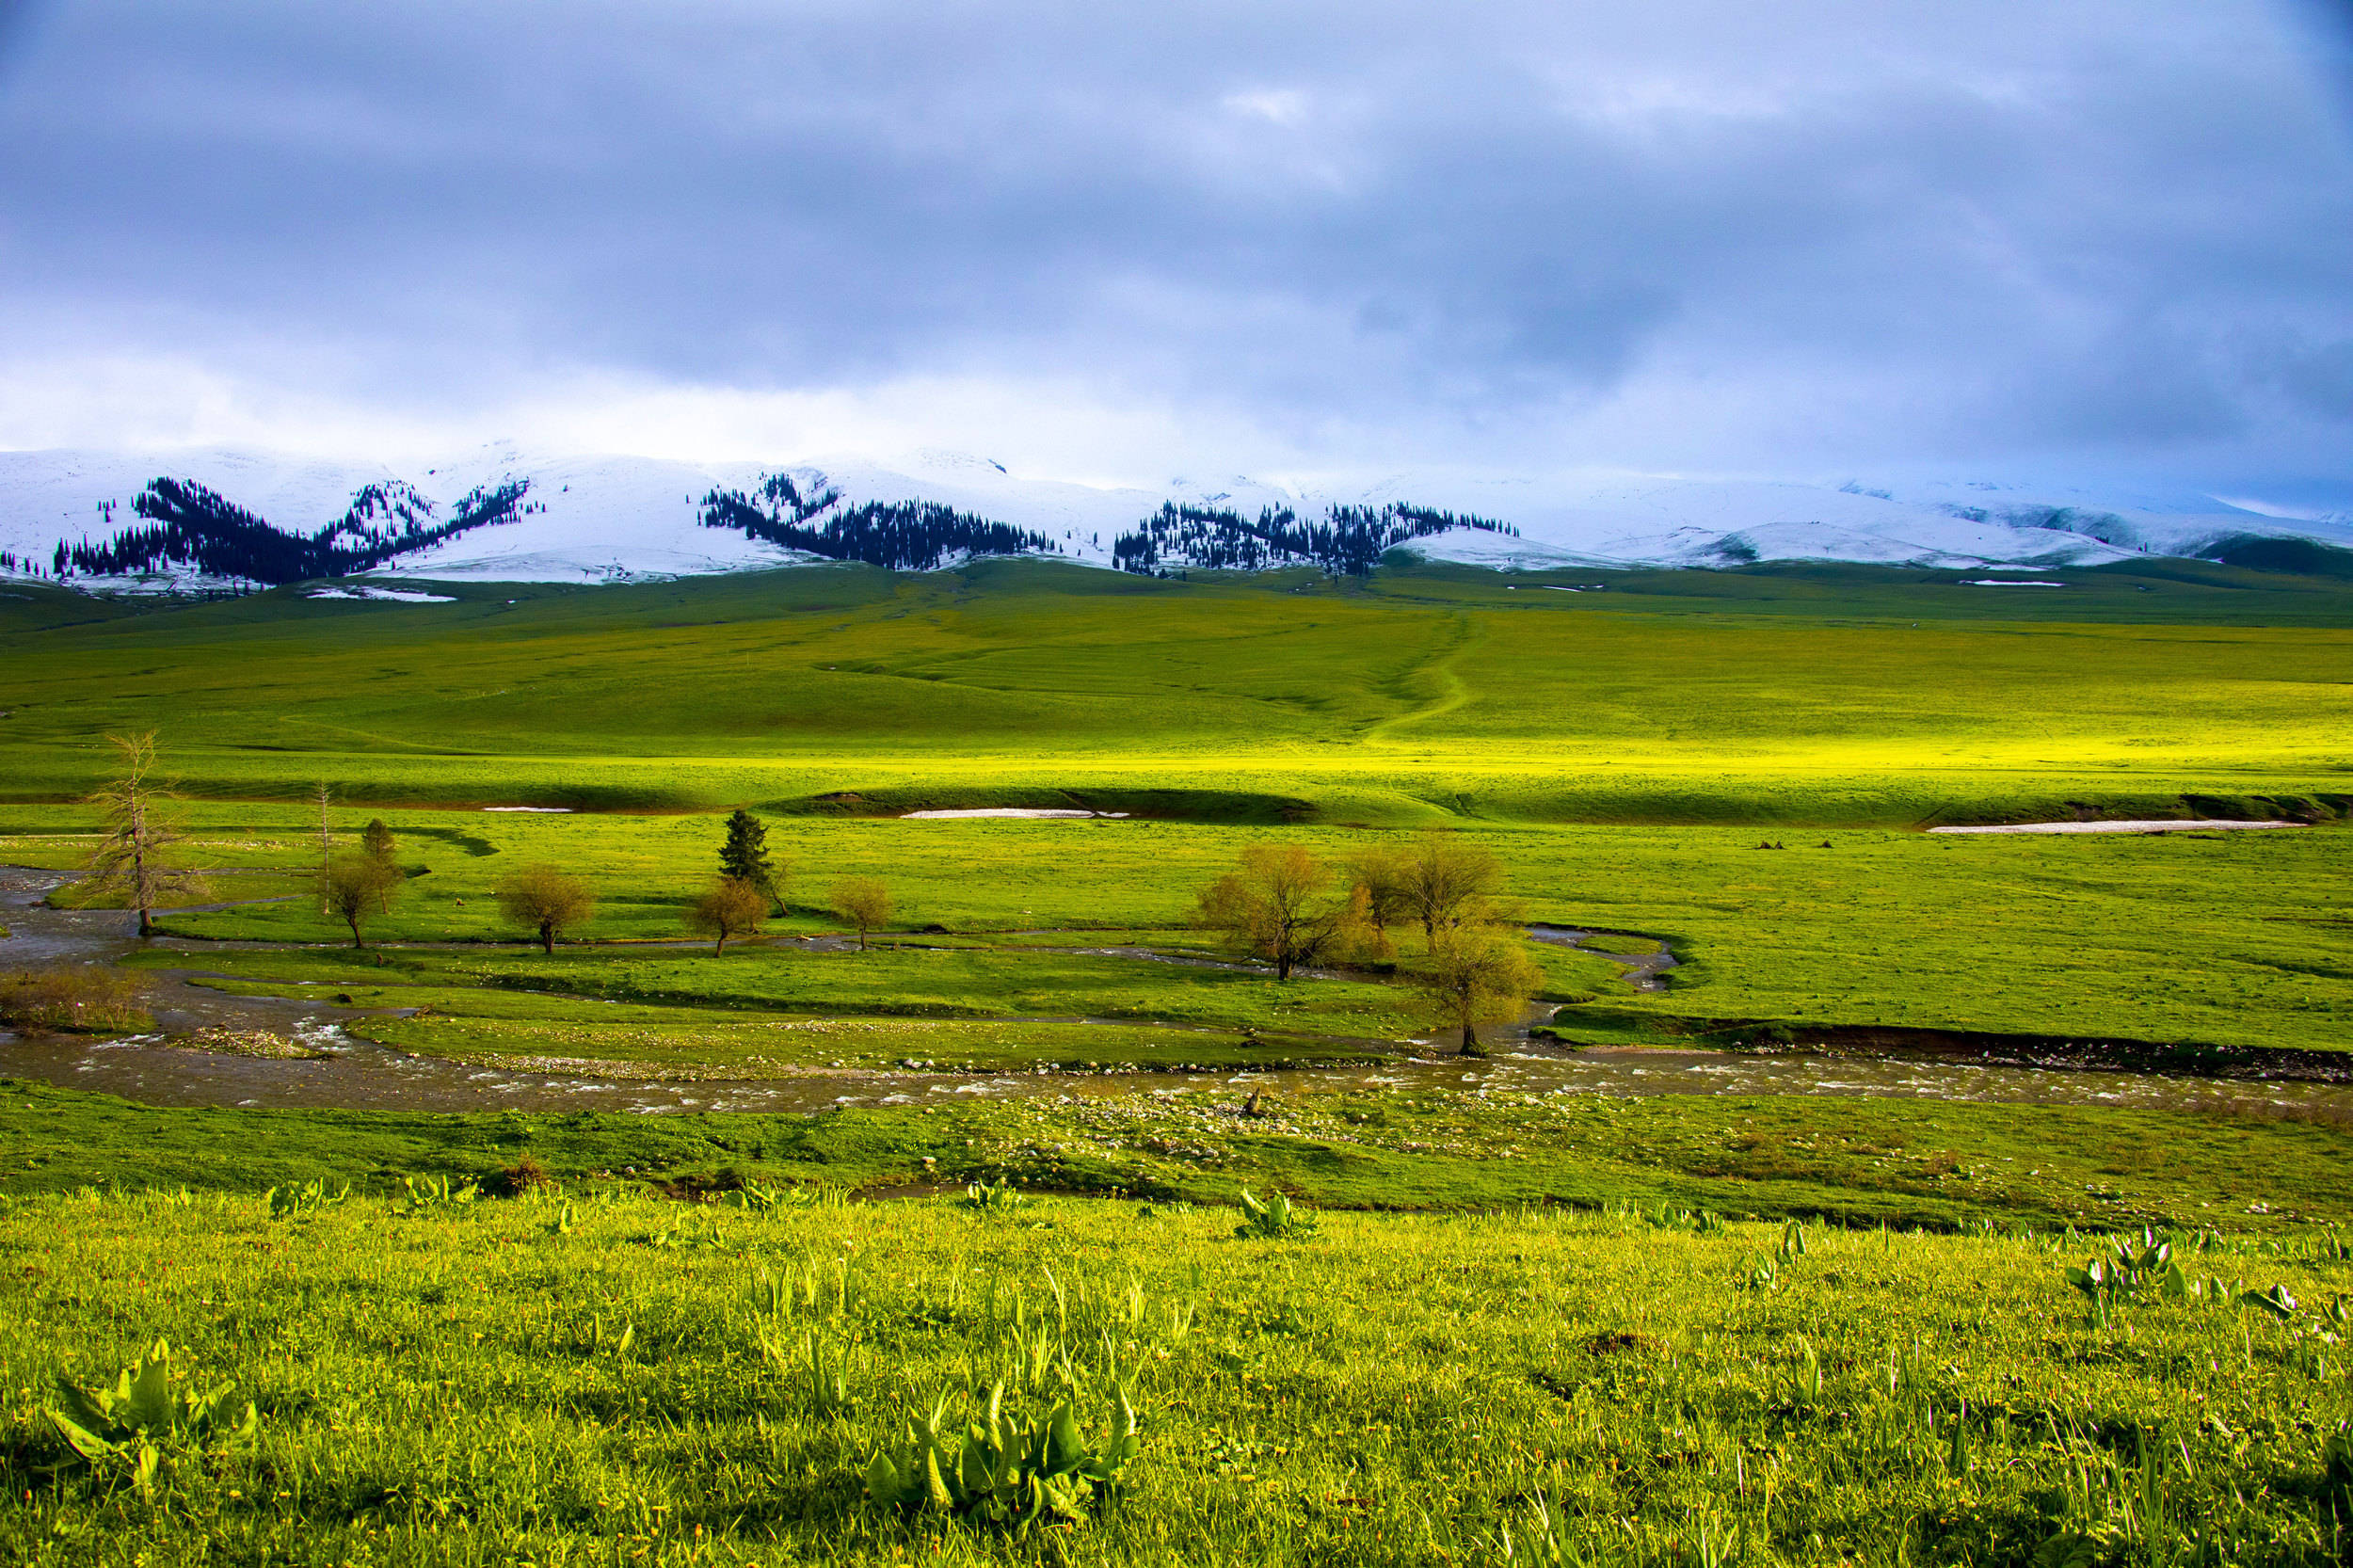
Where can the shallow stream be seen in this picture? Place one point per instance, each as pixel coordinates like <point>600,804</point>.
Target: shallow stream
<point>355,1074</point>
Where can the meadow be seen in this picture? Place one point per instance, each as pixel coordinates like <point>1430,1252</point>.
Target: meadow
<point>2234,940</point>
<point>1852,696</point>
<point>588,1377</point>
<point>1510,1327</point>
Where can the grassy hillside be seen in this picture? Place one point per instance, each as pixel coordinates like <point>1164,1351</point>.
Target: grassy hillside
<point>1830,696</point>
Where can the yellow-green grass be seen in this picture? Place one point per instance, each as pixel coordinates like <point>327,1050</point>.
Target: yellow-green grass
<point>585,1009</point>
<point>2230,940</point>
<point>796,1027</point>
<point>1236,701</point>
<point>582,1379</point>
<point>2242,1165</point>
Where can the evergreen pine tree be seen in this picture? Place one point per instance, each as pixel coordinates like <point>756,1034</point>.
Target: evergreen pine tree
<point>745,856</point>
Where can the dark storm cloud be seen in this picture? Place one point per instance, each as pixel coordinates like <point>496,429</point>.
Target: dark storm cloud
<point>1916,231</point>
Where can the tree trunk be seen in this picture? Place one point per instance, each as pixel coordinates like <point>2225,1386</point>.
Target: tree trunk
<point>546,938</point>
<point>1470,1042</point>
<point>353,921</point>
<point>1282,963</point>
<point>720,946</point>
<point>140,890</point>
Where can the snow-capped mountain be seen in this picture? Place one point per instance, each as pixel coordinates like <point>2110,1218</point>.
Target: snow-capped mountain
<point>500,514</point>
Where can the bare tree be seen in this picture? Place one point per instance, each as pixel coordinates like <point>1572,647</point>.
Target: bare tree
<point>545,902</point>
<point>1447,882</point>
<point>729,907</point>
<point>327,842</point>
<point>1477,974</point>
<point>139,838</point>
<point>864,903</point>
<point>358,886</point>
<point>1279,905</point>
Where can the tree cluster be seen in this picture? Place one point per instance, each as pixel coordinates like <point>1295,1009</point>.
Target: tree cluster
<point>1283,905</point>
<point>751,879</point>
<point>357,885</point>
<point>1347,540</point>
<point>777,502</point>
<point>899,536</point>
<point>191,525</point>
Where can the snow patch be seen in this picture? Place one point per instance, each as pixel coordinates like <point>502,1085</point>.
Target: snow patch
<point>2162,826</point>
<point>1025,811</point>
<point>397,596</point>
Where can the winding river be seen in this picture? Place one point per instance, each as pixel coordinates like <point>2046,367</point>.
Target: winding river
<point>355,1073</point>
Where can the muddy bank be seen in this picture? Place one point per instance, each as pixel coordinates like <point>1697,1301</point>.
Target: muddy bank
<point>321,1064</point>
<point>2048,1052</point>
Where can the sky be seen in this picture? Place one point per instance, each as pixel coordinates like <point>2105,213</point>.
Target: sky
<point>1115,242</point>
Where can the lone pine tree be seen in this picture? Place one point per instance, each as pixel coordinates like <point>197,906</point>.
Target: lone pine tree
<point>745,856</point>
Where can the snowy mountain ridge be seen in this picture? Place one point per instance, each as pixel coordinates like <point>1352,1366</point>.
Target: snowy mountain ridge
<point>498,514</point>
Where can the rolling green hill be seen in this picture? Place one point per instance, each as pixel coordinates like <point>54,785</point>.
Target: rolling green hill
<point>1809,695</point>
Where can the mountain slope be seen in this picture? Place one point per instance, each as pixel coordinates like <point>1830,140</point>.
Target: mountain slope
<point>186,519</point>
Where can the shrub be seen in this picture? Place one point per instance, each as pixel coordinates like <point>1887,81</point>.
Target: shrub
<point>94,999</point>
<point>1001,1199</point>
<point>525,1176</point>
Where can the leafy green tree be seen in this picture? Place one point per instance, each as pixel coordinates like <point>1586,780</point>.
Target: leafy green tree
<point>357,887</point>
<point>864,903</point>
<point>1279,905</point>
<point>1448,881</point>
<point>139,839</point>
<point>1381,872</point>
<point>377,843</point>
<point>544,901</point>
<point>1477,974</point>
<point>744,858</point>
<point>729,907</point>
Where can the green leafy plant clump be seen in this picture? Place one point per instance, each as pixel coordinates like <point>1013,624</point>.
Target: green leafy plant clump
<point>145,1422</point>
<point>993,1470</point>
<point>1277,1219</point>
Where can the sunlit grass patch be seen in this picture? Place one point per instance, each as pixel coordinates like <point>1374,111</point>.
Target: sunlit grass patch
<point>587,1372</point>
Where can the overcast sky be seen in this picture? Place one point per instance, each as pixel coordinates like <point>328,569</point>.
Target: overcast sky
<point>1119,242</point>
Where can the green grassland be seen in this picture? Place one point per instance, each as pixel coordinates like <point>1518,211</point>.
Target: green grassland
<point>598,1378</point>
<point>2236,940</point>
<point>1509,1340</point>
<point>1857,1160</point>
<point>1854,695</point>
